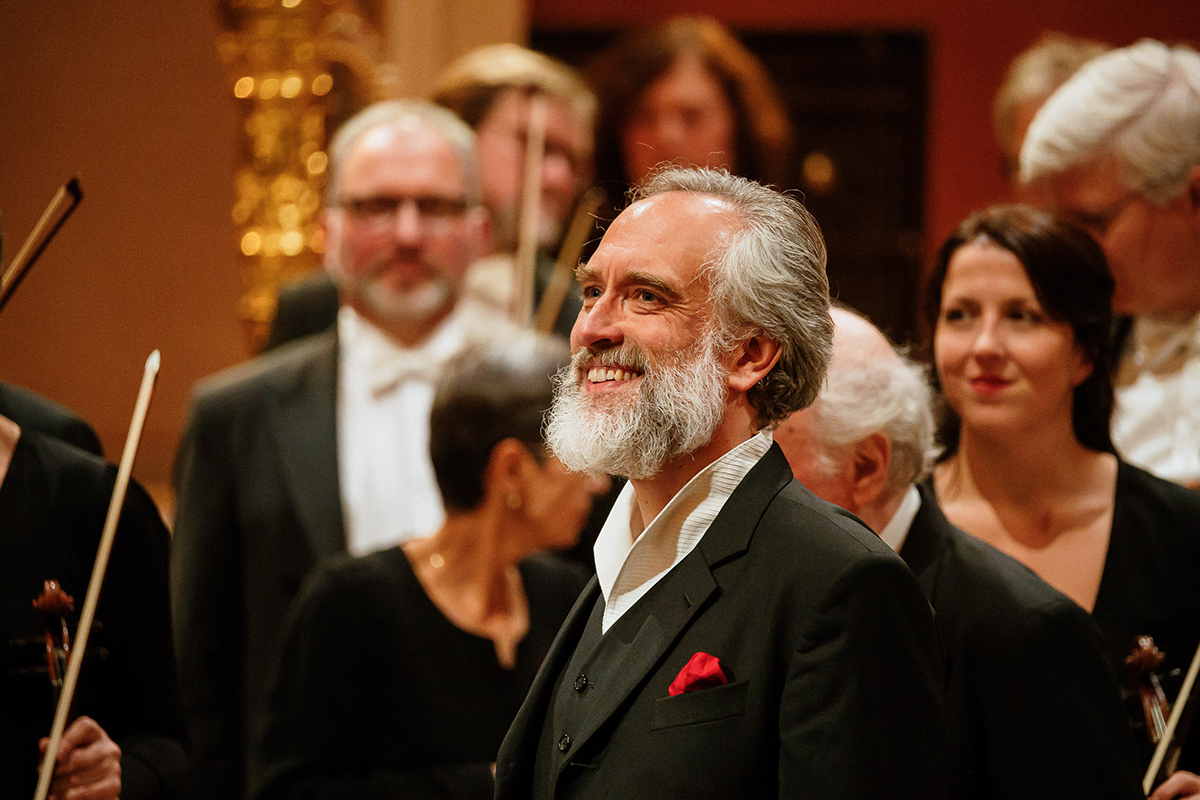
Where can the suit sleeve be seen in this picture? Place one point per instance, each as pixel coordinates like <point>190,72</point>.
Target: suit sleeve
<point>1055,724</point>
<point>319,739</point>
<point>206,587</point>
<point>861,713</point>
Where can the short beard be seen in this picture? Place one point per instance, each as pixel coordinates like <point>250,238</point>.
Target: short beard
<point>677,409</point>
<point>414,306</point>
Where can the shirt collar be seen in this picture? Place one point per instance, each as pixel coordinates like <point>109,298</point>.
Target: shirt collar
<point>896,530</point>
<point>626,567</point>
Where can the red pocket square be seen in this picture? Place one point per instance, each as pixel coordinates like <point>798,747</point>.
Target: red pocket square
<point>702,671</point>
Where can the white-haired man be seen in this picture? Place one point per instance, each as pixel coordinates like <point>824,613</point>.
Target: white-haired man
<point>322,446</point>
<point>742,637</point>
<point>1019,656</point>
<point>1117,148</point>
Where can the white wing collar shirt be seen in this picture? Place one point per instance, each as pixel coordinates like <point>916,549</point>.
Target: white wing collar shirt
<point>385,393</point>
<point>1156,423</point>
<point>628,567</point>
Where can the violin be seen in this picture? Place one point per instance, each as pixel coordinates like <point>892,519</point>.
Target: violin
<point>1167,725</point>
<point>53,604</point>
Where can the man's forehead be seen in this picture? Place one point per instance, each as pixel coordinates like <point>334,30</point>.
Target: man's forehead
<point>685,229</point>
<point>408,151</point>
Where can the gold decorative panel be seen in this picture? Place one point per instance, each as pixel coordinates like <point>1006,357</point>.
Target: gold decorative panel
<point>296,69</point>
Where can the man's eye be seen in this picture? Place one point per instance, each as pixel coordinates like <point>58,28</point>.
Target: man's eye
<point>374,206</point>
<point>440,207</point>
<point>591,292</point>
<point>647,296</point>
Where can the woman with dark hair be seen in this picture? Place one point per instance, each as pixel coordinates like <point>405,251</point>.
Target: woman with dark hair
<point>402,670</point>
<point>1020,303</point>
<point>686,91</point>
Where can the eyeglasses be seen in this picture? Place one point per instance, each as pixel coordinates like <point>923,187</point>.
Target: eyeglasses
<point>380,212</point>
<point>1099,221</point>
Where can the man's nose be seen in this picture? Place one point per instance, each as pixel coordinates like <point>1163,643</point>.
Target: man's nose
<point>598,326</point>
<point>558,174</point>
<point>408,226</point>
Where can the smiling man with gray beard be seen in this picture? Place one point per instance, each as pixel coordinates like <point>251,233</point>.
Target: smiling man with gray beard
<point>742,638</point>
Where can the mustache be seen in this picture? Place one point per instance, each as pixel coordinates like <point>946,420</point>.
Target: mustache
<point>627,354</point>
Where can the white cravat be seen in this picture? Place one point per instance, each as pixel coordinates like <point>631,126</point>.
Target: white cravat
<point>627,568</point>
<point>1156,423</point>
<point>385,393</point>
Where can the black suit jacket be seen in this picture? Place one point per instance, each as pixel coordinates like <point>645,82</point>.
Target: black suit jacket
<point>258,506</point>
<point>1033,705</point>
<point>36,413</point>
<point>835,674</point>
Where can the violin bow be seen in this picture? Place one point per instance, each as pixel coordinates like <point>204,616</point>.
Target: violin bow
<point>568,257</point>
<point>65,201</point>
<point>97,579</point>
<point>524,266</point>
<point>1168,737</point>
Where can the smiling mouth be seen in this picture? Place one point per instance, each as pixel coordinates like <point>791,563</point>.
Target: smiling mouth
<point>611,374</point>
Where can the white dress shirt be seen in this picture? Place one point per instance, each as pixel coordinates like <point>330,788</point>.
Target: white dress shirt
<point>1156,423</point>
<point>896,530</point>
<point>628,567</point>
<point>385,393</point>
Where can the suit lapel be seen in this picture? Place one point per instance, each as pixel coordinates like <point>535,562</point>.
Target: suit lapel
<point>305,422</point>
<point>639,641</point>
<point>629,655</point>
<point>927,538</point>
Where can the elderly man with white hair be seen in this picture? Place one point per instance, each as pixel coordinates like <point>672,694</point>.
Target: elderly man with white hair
<point>1024,664</point>
<point>1117,149</point>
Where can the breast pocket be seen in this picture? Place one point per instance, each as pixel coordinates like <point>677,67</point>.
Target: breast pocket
<point>705,705</point>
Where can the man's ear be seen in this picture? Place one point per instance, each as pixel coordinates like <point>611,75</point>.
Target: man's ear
<point>872,462</point>
<point>752,360</point>
<point>480,222</point>
<point>1194,194</point>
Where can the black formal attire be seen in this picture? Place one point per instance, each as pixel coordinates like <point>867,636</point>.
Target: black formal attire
<point>381,696</point>
<point>258,506</point>
<point>1149,585</point>
<point>304,307</point>
<point>36,413</point>
<point>1033,705</point>
<point>53,503</point>
<point>833,667</point>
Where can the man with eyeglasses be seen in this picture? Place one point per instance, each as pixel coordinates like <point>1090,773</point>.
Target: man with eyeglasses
<point>321,447</point>
<point>1117,148</point>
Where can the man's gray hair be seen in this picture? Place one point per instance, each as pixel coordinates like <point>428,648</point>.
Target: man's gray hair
<point>770,280</point>
<point>867,395</point>
<point>1141,103</point>
<point>407,114</point>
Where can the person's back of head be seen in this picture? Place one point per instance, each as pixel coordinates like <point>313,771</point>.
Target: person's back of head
<point>1140,104</point>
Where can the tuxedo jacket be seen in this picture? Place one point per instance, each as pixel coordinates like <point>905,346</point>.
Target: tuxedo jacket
<point>258,506</point>
<point>829,648</point>
<point>1033,705</point>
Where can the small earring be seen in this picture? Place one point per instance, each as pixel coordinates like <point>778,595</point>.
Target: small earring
<point>513,501</point>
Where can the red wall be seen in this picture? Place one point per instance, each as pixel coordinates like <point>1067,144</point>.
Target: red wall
<point>971,44</point>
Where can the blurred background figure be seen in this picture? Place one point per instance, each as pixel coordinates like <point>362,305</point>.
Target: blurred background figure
<point>322,447</point>
<point>401,671</point>
<point>688,92</point>
<point>1117,149</point>
<point>1020,306</point>
<point>864,445</point>
<point>491,89</point>
<point>1030,80</point>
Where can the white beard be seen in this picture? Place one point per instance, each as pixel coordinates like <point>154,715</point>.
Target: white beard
<point>677,408</point>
